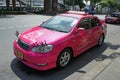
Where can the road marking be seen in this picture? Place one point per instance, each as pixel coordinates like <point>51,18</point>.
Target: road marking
<point>19,26</point>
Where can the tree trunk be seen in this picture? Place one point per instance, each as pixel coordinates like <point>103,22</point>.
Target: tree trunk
<point>20,6</point>
<point>46,5</point>
<point>7,4</point>
<point>72,2</point>
<point>30,3</point>
<point>55,5</point>
<point>80,7</point>
<point>14,4</point>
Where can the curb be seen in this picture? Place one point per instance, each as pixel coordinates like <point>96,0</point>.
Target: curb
<point>92,74</point>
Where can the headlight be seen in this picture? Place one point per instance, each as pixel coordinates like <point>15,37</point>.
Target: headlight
<point>43,48</point>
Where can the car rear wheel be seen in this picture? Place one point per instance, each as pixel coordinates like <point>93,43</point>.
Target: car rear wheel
<point>101,40</point>
<point>64,58</point>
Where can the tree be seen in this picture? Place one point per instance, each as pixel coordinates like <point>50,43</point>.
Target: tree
<point>14,4</point>
<point>7,4</point>
<point>75,2</point>
<point>112,4</point>
<point>68,2</point>
<point>64,2</point>
<point>94,4</point>
<point>80,3</point>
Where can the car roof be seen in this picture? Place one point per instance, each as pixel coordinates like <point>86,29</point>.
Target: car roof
<point>76,14</point>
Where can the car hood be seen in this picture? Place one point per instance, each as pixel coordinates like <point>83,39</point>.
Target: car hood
<point>111,18</point>
<point>38,35</point>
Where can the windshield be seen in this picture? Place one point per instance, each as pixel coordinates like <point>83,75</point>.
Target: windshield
<point>60,23</point>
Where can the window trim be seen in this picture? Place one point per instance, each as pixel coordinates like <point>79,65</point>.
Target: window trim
<point>78,26</point>
<point>95,25</point>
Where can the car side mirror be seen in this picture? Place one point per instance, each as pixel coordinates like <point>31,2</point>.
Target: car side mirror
<point>43,22</point>
<point>81,29</point>
<point>17,34</point>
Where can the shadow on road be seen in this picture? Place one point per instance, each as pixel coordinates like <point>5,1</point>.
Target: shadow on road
<point>112,56</point>
<point>26,73</point>
<point>114,24</point>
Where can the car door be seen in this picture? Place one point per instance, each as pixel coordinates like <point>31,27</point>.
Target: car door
<point>83,35</point>
<point>96,29</point>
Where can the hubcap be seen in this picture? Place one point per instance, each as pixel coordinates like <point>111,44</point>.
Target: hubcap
<point>64,59</point>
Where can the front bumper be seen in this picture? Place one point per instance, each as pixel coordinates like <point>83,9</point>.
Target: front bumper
<point>41,61</point>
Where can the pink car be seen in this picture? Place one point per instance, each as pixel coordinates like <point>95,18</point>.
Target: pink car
<point>113,18</point>
<point>55,42</point>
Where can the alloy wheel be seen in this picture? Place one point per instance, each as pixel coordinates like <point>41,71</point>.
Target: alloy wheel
<point>64,58</point>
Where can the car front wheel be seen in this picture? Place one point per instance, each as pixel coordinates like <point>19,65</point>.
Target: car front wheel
<point>64,58</point>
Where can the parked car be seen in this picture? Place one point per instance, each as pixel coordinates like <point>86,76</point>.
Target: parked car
<point>113,18</point>
<point>55,42</point>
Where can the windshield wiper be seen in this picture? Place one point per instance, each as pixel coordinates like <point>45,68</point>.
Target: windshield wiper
<point>62,31</point>
<point>53,29</point>
<point>47,27</point>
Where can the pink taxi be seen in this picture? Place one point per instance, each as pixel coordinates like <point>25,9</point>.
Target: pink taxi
<point>55,42</point>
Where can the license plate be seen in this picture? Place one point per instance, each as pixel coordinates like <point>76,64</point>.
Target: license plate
<point>19,54</point>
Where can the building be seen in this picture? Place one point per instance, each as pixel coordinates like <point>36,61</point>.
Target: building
<point>48,5</point>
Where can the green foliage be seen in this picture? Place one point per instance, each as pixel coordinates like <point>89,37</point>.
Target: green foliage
<point>39,12</point>
<point>113,4</point>
<point>75,2</point>
<point>80,3</point>
<point>13,12</point>
<point>68,2</point>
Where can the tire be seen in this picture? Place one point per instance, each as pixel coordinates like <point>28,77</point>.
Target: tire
<point>64,58</point>
<point>101,40</point>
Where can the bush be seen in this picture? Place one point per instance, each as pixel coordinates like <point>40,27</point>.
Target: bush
<point>39,12</point>
<point>13,12</point>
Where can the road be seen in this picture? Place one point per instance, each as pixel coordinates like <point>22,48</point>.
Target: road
<point>80,67</point>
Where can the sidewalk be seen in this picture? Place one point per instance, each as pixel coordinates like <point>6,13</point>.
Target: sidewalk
<point>108,69</point>
<point>112,72</point>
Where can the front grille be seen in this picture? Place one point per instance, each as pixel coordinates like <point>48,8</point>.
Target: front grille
<point>23,45</point>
